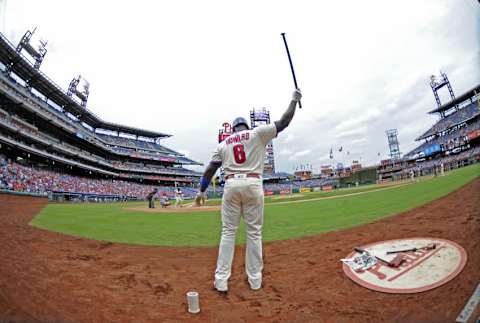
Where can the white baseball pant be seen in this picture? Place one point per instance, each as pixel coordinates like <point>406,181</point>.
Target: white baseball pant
<point>178,201</point>
<point>241,197</point>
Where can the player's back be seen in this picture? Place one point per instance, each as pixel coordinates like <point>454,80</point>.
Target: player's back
<point>244,152</point>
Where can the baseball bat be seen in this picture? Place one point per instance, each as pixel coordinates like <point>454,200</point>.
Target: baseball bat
<point>395,262</point>
<point>291,66</point>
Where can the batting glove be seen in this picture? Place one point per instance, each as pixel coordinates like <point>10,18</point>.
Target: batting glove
<point>297,95</point>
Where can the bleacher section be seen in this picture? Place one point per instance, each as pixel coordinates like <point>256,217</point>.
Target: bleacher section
<point>454,141</point>
<point>14,176</point>
<point>456,118</point>
<point>137,144</point>
<point>43,126</point>
<point>452,138</point>
<point>433,166</point>
<point>18,125</point>
<point>450,132</point>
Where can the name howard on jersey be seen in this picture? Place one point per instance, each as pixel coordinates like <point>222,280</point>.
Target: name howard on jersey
<point>237,138</point>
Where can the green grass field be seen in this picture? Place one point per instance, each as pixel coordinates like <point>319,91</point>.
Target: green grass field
<point>310,214</point>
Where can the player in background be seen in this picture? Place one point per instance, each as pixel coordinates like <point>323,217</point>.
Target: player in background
<point>151,198</point>
<point>164,200</point>
<point>178,197</point>
<point>242,156</point>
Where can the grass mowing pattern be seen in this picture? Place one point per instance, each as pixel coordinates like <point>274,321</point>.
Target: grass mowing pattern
<point>315,195</point>
<point>283,221</point>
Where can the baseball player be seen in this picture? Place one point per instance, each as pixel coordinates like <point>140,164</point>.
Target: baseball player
<point>242,157</point>
<point>164,200</point>
<point>178,197</point>
<point>151,198</point>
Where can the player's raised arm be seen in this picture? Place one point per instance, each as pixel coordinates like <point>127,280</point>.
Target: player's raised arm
<point>288,115</point>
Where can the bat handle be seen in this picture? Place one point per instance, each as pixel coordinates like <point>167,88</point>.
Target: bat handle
<point>291,66</point>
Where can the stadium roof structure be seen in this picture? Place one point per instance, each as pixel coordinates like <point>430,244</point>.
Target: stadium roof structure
<point>465,96</point>
<point>20,65</point>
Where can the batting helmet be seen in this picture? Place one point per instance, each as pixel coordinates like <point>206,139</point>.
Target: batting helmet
<point>238,121</point>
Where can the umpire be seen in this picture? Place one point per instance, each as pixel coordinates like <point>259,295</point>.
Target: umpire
<point>151,198</point>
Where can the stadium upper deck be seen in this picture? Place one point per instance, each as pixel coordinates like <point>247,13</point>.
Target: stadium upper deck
<point>460,116</point>
<point>39,120</point>
<point>458,125</point>
<point>53,93</point>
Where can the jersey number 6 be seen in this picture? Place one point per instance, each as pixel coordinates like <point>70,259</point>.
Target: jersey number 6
<point>239,154</point>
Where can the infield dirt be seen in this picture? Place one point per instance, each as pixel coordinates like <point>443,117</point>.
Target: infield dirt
<point>47,276</point>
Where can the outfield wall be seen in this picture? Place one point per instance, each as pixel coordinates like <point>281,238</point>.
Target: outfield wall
<point>10,192</point>
<point>365,176</point>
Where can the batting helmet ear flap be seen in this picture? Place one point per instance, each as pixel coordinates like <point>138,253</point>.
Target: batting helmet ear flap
<point>238,121</point>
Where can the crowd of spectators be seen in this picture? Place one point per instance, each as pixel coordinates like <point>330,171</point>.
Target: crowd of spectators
<point>17,177</point>
<point>18,123</point>
<point>449,139</point>
<point>152,168</point>
<point>133,143</point>
<point>433,166</point>
<point>147,154</point>
<point>457,117</point>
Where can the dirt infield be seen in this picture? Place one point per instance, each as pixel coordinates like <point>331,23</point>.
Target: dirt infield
<point>46,276</point>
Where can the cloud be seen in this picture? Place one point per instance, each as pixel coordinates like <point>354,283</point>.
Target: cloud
<point>359,141</point>
<point>362,119</point>
<point>285,152</point>
<point>353,132</point>
<point>289,138</point>
<point>302,153</point>
<point>298,154</point>
<point>323,158</point>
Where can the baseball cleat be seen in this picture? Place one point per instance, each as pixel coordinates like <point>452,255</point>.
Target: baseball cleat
<point>254,286</point>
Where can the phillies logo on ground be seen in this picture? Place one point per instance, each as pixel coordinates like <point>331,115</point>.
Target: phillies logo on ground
<point>421,270</point>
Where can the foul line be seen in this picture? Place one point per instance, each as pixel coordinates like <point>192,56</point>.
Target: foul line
<point>339,196</point>
<point>469,308</point>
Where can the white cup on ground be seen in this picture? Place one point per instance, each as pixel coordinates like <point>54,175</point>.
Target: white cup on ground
<point>193,302</point>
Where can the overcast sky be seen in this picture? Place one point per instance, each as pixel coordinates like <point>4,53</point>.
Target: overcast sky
<point>185,67</point>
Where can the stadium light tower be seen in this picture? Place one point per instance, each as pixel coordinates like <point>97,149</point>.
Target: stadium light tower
<point>73,90</point>
<point>37,54</point>
<point>436,83</point>
<point>392,137</point>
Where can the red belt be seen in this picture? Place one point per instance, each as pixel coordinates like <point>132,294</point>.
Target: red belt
<point>252,175</point>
